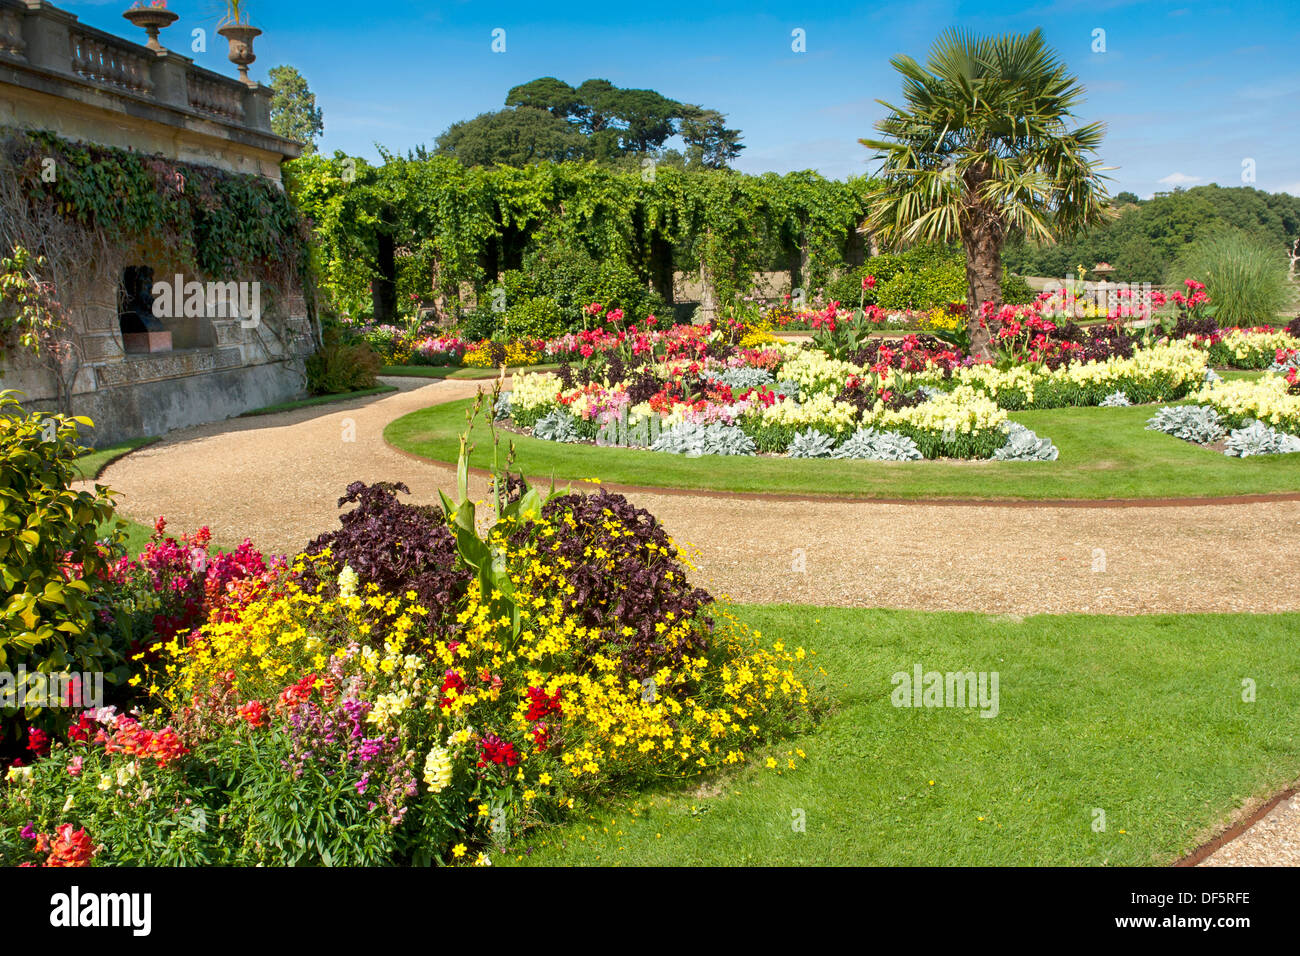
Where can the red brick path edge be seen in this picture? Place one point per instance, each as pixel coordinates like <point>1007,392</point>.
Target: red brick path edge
<point>1201,853</point>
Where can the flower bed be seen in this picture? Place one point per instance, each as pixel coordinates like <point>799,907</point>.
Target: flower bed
<point>1268,399</point>
<point>370,703</point>
<point>799,400</point>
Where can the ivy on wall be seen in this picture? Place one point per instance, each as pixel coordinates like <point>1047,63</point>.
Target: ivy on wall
<point>224,225</point>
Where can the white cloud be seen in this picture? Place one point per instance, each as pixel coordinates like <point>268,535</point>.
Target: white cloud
<point>1179,179</point>
<point>1293,189</point>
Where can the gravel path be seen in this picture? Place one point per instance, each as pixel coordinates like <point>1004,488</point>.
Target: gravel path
<point>1274,840</point>
<point>276,479</point>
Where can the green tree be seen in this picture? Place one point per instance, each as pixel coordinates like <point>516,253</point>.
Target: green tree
<point>982,149</point>
<point>294,113</point>
<point>709,144</point>
<point>546,93</point>
<point>512,137</point>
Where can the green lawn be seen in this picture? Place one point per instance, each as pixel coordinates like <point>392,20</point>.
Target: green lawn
<point>137,535</point>
<point>1140,717</point>
<point>92,464</point>
<point>1105,453</point>
<point>458,371</point>
<point>319,400</point>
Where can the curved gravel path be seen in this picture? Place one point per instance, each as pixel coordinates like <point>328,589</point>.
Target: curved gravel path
<point>276,479</point>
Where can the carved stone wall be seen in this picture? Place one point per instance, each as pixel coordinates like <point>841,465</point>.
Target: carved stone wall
<point>86,85</point>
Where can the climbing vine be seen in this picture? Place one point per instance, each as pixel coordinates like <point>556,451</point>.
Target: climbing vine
<point>223,224</point>
<point>424,226</point>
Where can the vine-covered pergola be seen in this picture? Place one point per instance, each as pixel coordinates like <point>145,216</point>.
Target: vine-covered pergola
<point>424,226</point>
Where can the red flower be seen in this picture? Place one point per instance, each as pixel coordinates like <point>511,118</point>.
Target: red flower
<point>81,730</point>
<point>541,704</point>
<point>254,713</point>
<point>492,749</point>
<point>38,742</point>
<point>453,685</point>
<point>296,694</point>
<point>163,746</point>
<point>70,847</point>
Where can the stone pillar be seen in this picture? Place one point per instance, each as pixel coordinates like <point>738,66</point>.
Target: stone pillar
<point>708,296</point>
<point>170,75</point>
<point>46,32</point>
<point>257,107</point>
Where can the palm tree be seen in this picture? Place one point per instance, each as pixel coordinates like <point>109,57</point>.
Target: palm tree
<point>982,149</point>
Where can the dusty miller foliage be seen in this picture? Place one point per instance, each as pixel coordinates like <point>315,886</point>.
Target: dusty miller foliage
<point>1194,423</point>
<point>811,444</point>
<point>742,378</point>
<point>694,440</point>
<point>1257,438</point>
<point>502,407</point>
<point>1023,445</point>
<point>867,443</point>
<point>556,426</point>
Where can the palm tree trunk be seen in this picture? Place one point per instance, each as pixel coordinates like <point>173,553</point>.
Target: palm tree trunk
<point>983,283</point>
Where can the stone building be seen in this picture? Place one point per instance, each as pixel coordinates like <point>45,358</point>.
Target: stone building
<point>89,86</point>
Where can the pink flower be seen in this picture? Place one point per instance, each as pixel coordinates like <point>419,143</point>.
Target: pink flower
<point>74,766</point>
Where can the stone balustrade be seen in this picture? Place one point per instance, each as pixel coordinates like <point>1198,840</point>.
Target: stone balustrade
<point>103,58</point>
<point>212,93</point>
<point>52,42</point>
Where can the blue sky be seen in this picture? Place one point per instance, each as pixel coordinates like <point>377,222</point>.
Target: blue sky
<point>1188,90</point>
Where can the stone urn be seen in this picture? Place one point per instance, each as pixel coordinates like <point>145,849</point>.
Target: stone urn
<point>151,20</point>
<point>240,37</point>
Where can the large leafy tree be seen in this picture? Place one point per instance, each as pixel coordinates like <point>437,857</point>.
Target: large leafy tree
<point>982,149</point>
<point>294,113</point>
<point>709,144</point>
<point>546,93</point>
<point>614,125</point>
<point>512,137</point>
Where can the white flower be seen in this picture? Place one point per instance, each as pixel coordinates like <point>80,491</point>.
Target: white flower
<point>348,582</point>
<point>19,775</point>
<point>437,769</point>
<point>387,708</point>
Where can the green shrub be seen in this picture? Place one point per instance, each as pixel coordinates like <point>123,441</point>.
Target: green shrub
<point>921,278</point>
<point>480,324</point>
<point>49,552</point>
<point>847,287</point>
<point>1245,278</point>
<point>1015,290</point>
<point>538,317</point>
<point>573,278</point>
<point>924,289</point>
<point>342,367</point>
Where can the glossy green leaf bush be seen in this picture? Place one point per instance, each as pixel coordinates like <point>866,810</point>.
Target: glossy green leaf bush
<point>48,547</point>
